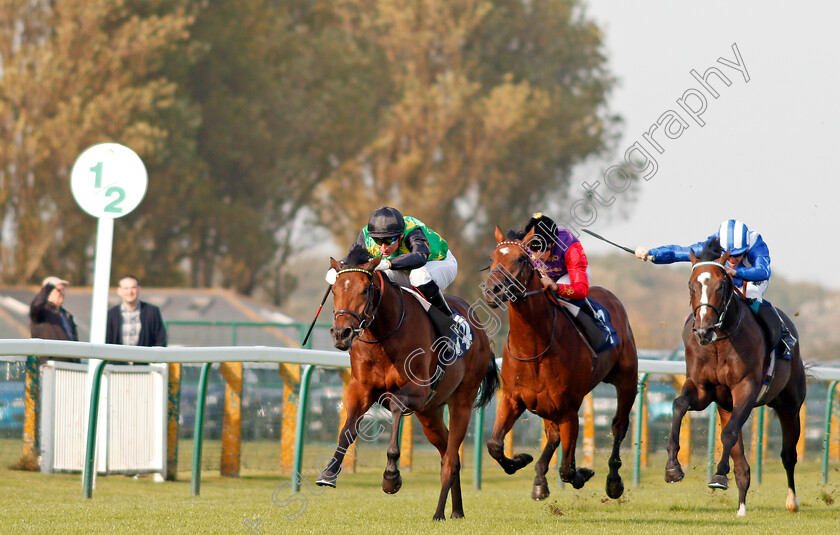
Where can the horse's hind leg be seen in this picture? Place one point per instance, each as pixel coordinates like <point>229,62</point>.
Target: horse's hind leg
<point>552,434</point>
<point>788,412</point>
<point>626,394</point>
<point>508,411</point>
<point>742,467</point>
<point>568,438</point>
<point>459,421</point>
<point>690,398</point>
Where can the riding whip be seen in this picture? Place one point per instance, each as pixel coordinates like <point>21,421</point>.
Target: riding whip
<point>324,300</point>
<point>629,250</point>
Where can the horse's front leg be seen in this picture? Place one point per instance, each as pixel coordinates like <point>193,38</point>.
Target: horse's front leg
<point>552,434</point>
<point>569,428</point>
<point>742,467</point>
<point>506,415</point>
<point>357,401</point>
<point>409,398</point>
<point>743,401</point>
<point>391,479</point>
<point>691,398</point>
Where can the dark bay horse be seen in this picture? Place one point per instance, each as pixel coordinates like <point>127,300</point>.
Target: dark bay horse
<point>726,357</point>
<point>548,368</point>
<point>393,357</point>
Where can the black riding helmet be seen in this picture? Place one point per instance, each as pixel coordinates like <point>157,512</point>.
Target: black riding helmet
<point>545,232</point>
<point>386,222</point>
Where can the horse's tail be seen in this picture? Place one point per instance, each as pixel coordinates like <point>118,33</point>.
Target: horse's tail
<point>489,385</point>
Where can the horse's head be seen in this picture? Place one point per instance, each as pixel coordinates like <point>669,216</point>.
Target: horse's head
<point>711,291</point>
<point>511,269</point>
<point>355,296</point>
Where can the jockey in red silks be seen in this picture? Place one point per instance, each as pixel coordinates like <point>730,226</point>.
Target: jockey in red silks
<point>559,257</point>
<point>564,271</point>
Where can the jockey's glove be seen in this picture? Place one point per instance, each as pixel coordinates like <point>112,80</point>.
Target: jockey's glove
<point>331,276</point>
<point>383,265</point>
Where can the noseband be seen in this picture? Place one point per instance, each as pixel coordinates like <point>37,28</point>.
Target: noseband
<point>368,315</point>
<point>514,279</point>
<point>721,315</point>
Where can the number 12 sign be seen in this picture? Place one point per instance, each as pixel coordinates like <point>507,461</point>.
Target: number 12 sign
<point>108,180</point>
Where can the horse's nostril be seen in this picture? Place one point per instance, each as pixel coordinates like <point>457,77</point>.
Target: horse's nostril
<point>346,333</point>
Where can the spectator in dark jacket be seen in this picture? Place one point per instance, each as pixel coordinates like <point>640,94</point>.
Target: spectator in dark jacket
<point>134,322</point>
<point>48,319</point>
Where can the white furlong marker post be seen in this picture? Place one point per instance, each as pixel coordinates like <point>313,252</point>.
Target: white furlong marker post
<point>108,181</point>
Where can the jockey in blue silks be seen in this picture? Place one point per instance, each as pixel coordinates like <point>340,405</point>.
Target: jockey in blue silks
<point>748,264</point>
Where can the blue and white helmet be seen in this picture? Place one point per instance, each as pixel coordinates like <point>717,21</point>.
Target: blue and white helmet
<point>733,236</point>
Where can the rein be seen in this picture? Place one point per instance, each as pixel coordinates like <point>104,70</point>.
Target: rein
<point>721,315</point>
<point>369,312</point>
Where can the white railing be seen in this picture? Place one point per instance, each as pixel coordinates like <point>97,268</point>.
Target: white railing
<point>84,350</point>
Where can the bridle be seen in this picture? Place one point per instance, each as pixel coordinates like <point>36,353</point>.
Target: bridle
<point>507,275</point>
<point>368,315</point>
<point>721,314</point>
<point>502,272</point>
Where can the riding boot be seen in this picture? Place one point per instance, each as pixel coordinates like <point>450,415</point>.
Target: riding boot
<point>440,314</point>
<point>592,330</point>
<point>780,332</point>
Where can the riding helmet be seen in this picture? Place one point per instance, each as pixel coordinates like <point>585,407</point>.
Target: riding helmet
<point>545,232</point>
<point>386,222</point>
<point>733,236</point>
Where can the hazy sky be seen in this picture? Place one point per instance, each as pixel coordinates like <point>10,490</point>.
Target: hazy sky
<point>766,152</point>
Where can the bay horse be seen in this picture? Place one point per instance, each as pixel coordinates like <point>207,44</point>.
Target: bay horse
<point>726,358</point>
<point>393,358</point>
<point>548,368</point>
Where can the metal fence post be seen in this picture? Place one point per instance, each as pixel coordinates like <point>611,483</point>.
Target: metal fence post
<point>90,451</point>
<point>198,430</point>
<point>829,402</point>
<point>637,431</point>
<point>478,436</point>
<point>305,375</point>
<point>710,441</point>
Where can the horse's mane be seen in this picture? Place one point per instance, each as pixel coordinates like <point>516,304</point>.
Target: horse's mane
<point>357,256</point>
<point>515,234</point>
<point>711,251</point>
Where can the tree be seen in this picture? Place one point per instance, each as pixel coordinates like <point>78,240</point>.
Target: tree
<point>497,101</point>
<point>74,73</point>
<point>284,95</point>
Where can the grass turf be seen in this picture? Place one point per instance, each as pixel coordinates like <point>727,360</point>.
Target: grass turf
<point>53,503</point>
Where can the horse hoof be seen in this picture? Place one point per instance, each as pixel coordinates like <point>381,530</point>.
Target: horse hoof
<point>519,461</point>
<point>392,485</point>
<point>615,488</point>
<point>327,479</point>
<point>540,492</point>
<point>522,459</point>
<point>791,503</point>
<point>582,475</point>
<point>674,475</point>
<point>719,482</point>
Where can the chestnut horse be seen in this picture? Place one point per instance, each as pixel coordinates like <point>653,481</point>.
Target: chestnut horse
<point>393,361</point>
<point>548,368</point>
<point>726,359</point>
